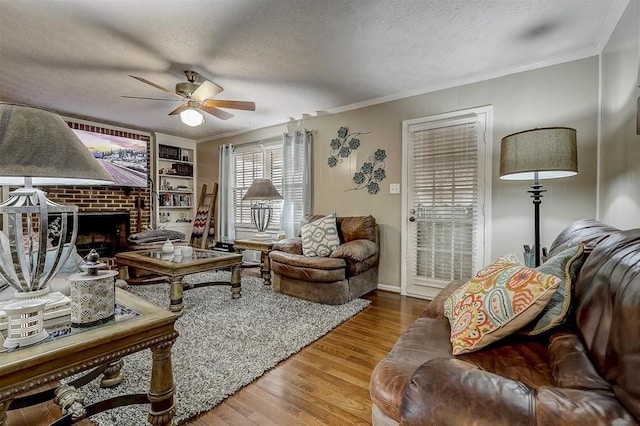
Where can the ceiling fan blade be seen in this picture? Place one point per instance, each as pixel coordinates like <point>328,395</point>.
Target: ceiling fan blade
<point>243,105</point>
<point>222,115</point>
<point>206,90</point>
<point>150,83</point>
<point>153,99</point>
<point>178,110</point>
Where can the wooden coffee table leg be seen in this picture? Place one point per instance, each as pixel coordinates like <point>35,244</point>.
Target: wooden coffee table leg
<point>266,268</point>
<point>235,282</point>
<point>162,388</point>
<point>175,295</point>
<point>112,375</point>
<point>3,412</point>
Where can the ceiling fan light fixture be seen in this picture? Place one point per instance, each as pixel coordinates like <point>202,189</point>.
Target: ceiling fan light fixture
<point>191,117</point>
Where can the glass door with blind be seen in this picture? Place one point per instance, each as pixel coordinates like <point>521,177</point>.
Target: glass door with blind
<point>446,201</point>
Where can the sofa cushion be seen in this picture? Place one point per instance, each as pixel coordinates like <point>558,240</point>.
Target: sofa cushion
<point>320,237</point>
<point>564,265</point>
<point>313,269</point>
<point>499,300</point>
<point>519,358</point>
<point>571,365</point>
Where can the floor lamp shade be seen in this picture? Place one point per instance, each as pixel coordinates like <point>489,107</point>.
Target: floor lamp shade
<point>544,153</point>
<point>551,152</point>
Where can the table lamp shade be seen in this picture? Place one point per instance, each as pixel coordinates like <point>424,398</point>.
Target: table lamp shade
<point>551,152</point>
<point>38,144</point>
<point>262,189</point>
<point>38,148</point>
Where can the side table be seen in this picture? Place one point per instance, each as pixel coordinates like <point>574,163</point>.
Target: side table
<point>264,247</point>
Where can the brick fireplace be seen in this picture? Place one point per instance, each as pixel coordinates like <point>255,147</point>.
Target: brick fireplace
<point>105,232</point>
<point>107,216</point>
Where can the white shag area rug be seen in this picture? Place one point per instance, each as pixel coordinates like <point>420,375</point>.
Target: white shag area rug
<point>223,345</point>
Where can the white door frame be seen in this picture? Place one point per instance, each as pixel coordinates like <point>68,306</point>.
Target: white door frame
<point>484,169</point>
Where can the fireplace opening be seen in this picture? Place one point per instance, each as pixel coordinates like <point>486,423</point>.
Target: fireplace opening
<point>105,232</point>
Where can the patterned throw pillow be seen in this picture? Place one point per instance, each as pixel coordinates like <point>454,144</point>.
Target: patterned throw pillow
<point>500,299</point>
<point>320,237</point>
<point>565,265</point>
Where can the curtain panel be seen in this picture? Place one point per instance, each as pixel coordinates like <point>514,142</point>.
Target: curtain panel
<point>296,180</point>
<point>226,219</point>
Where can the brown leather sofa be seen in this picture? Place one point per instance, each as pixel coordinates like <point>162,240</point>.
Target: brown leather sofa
<point>585,373</point>
<point>349,272</point>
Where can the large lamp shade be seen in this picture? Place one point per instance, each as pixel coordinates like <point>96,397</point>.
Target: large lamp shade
<point>38,144</point>
<point>551,152</point>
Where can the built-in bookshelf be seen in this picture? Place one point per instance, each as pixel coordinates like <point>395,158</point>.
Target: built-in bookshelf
<point>175,185</point>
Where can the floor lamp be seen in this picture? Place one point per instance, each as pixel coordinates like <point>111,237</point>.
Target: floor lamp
<point>536,154</point>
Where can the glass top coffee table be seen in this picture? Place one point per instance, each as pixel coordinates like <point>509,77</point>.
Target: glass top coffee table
<point>175,268</point>
<point>138,326</point>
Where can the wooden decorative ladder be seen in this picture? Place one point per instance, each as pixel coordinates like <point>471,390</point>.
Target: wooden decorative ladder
<point>203,232</point>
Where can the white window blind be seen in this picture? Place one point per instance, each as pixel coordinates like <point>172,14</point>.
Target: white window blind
<point>250,162</point>
<point>445,188</point>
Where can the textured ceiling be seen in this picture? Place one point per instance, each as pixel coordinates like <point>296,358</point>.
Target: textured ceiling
<point>291,57</point>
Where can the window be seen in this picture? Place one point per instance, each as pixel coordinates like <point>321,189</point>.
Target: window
<point>252,161</point>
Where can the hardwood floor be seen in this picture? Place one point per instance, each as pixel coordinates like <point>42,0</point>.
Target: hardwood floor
<point>327,383</point>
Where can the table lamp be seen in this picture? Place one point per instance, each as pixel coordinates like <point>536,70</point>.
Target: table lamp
<point>39,148</point>
<point>262,191</point>
<point>544,153</point>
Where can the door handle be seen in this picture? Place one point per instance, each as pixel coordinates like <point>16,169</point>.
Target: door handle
<point>412,219</point>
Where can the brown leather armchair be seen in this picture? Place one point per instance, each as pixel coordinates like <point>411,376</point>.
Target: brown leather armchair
<point>350,271</point>
<point>583,373</point>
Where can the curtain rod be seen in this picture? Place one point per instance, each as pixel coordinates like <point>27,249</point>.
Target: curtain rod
<point>305,130</point>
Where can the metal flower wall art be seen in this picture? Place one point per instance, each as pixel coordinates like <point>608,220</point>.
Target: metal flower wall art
<point>342,146</point>
<point>371,173</point>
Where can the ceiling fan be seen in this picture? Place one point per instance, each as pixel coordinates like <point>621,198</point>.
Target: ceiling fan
<point>198,96</point>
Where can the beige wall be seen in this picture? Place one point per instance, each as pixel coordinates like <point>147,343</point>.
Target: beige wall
<point>561,95</point>
<point>620,147</point>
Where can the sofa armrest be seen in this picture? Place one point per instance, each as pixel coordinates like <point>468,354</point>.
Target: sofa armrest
<point>302,261</point>
<point>435,308</point>
<point>355,250</point>
<point>289,245</point>
<point>445,391</point>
